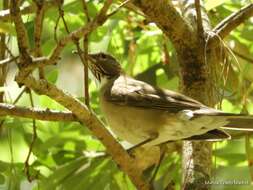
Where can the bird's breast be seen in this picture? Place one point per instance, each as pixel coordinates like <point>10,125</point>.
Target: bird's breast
<point>131,123</point>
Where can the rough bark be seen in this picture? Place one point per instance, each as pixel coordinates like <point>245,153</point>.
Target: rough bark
<point>195,64</point>
<point>3,68</point>
<point>195,76</point>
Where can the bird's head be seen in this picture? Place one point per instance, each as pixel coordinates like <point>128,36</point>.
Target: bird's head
<point>103,66</point>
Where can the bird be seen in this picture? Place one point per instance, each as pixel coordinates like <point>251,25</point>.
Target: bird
<point>145,115</point>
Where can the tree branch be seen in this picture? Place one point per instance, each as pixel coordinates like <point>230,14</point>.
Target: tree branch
<point>5,15</point>
<point>125,162</point>
<point>84,57</point>
<point>168,19</point>
<point>197,83</point>
<point>249,59</point>
<point>38,26</point>
<point>35,113</point>
<point>22,36</point>
<point>230,23</point>
<point>7,61</point>
<point>77,34</point>
<point>3,68</point>
<point>200,29</point>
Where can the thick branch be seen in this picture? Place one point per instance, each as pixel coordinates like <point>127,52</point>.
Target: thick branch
<point>196,82</point>
<point>117,152</point>
<point>165,15</point>
<point>35,113</point>
<point>230,23</point>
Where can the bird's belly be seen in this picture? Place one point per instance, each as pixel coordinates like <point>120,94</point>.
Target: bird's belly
<point>136,125</point>
<point>132,124</point>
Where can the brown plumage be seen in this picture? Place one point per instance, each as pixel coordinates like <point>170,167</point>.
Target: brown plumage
<point>137,111</point>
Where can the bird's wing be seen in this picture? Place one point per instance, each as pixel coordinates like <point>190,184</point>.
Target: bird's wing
<point>131,92</point>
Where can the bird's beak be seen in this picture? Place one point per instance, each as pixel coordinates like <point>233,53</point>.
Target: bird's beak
<point>90,56</point>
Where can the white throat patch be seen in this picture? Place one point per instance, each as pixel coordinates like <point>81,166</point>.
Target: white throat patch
<point>104,80</point>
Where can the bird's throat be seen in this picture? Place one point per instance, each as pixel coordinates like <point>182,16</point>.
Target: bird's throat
<point>104,81</point>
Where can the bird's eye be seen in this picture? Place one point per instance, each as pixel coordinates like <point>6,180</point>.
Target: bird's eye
<point>103,56</point>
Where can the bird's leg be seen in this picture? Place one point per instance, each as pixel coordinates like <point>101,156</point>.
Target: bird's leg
<point>162,150</point>
<point>129,150</point>
<point>151,138</point>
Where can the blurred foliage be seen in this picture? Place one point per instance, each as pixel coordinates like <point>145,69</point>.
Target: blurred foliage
<point>65,155</point>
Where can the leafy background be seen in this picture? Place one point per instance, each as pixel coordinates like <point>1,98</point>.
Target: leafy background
<point>65,155</point>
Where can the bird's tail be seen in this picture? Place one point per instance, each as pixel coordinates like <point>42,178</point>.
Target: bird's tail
<point>241,122</point>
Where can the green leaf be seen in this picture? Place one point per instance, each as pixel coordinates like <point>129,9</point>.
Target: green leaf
<point>102,37</point>
<point>210,4</point>
<point>3,166</point>
<point>47,102</point>
<point>62,173</point>
<point>7,28</point>
<point>97,175</point>
<point>30,31</point>
<point>76,6</point>
<point>249,152</point>
<point>232,174</point>
<point>2,179</point>
<point>52,76</point>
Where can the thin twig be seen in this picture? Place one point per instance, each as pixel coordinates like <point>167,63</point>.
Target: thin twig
<point>85,9</point>
<point>86,73</point>
<point>77,34</point>
<point>19,95</point>
<point>118,8</point>
<point>8,60</point>
<point>38,26</point>
<point>84,58</point>
<point>200,29</point>
<point>250,60</point>
<point>11,54</point>
<point>27,166</point>
<point>22,36</point>
<point>3,108</point>
<point>55,28</point>
<point>61,15</point>
<point>230,23</point>
<point>165,51</point>
<point>35,113</point>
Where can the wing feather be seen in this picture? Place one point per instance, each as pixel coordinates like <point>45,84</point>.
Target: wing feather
<point>131,92</point>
